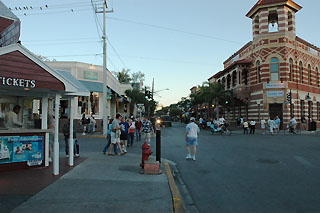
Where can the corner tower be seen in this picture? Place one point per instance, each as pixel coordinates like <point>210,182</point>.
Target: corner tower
<point>273,16</point>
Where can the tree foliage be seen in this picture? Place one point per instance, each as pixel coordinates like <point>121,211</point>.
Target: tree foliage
<point>123,76</point>
<point>136,77</point>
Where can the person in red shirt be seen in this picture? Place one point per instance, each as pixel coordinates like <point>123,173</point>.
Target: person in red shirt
<point>138,129</point>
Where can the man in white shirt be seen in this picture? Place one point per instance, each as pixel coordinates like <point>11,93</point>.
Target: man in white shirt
<point>12,118</point>
<point>192,131</point>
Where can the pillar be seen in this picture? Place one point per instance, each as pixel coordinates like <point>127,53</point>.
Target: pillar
<point>56,137</point>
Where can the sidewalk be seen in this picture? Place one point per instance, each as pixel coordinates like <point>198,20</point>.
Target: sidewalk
<point>99,183</point>
<point>103,183</point>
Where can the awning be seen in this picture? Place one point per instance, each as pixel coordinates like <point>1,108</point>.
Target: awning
<point>82,90</point>
<point>94,86</point>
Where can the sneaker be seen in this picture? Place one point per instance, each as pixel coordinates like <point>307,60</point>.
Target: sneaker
<point>193,157</point>
<point>50,159</point>
<point>188,156</point>
<point>77,155</point>
<point>83,133</point>
<point>125,151</point>
<point>67,156</point>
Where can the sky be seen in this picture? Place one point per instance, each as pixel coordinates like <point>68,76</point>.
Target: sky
<point>178,43</point>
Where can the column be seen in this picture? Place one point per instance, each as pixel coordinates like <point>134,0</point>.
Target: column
<point>71,117</point>
<point>56,137</point>
<point>44,125</point>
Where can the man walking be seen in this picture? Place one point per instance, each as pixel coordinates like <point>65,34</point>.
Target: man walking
<point>138,129</point>
<point>147,129</point>
<point>115,134</point>
<point>191,136</point>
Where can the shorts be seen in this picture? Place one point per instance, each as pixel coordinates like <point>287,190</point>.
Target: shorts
<point>147,137</point>
<point>124,136</point>
<point>114,140</point>
<point>192,141</point>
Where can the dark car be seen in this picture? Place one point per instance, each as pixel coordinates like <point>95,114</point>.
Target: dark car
<point>165,120</point>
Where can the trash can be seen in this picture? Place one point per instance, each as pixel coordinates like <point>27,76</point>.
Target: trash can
<point>313,126</point>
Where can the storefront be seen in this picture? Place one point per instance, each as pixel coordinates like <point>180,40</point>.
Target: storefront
<point>30,93</point>
<point>90,76</point>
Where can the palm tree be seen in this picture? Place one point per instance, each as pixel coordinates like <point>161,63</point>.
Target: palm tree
<point>136,97</point>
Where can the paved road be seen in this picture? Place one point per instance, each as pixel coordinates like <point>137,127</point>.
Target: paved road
<point>249,173</point>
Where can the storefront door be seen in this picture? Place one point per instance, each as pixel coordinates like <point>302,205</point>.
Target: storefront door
<point>276,110</point>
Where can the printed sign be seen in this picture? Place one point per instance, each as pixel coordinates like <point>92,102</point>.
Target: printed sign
<point>275,93</point>
<point>17,82</point>
<point>20,149</point>
<point>274,85</point>
<point>90,75</point>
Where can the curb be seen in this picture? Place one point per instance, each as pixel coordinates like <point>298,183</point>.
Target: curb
<point>176,198</point>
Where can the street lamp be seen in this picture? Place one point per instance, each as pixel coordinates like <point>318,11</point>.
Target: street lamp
<point>161,90</point>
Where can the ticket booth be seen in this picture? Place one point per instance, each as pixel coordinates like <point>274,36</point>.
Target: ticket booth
<point>30,93</point>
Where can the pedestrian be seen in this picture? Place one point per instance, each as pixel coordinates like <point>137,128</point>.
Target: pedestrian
<point>131,131</point>
<point>115,135</point>
<point>271,125</point>
<point>241,122</point>
<point>115,149</point>
<point>83,123</point>
<point>147,129</point>
<point>263,125</point>
<point>252,127</point>
<point>292,125</point>
<point>238,122</point>
<point>66,133</point>
<point>245,127</point>
<point>277,124</point>
<point>138,129</point>
<point>191,137</point>
<point>92,125</point>
<point>124,134</point>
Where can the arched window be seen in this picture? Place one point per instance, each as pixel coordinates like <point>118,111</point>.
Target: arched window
<point>309,74</point>
<point>301,72</point>
<point>258,71</point>
<point>317,76</point>
<point>273,21</point>
<point>274,69</point>
<point>290,69</point>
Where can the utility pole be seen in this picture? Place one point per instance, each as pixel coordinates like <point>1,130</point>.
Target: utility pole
<point>104,100</point>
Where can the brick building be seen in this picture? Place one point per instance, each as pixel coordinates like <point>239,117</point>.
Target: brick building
<point>274,65</point>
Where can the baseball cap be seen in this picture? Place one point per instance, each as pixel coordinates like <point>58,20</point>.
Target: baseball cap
<point>192,119</point>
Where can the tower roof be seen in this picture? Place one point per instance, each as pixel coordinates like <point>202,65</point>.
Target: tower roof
<point>267,3</point>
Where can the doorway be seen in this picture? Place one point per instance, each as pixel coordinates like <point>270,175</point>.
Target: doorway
<point>276,110</point>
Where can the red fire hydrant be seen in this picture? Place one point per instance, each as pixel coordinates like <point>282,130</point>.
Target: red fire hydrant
<point>146,152</point>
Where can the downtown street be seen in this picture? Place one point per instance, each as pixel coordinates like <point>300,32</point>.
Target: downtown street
<point>248,173</point>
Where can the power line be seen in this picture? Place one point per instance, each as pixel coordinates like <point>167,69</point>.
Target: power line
<point>56,12</point>
<point>175,30</point>
<point>117,54</point>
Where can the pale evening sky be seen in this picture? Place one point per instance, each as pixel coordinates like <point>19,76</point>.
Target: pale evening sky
<point>179,43</point>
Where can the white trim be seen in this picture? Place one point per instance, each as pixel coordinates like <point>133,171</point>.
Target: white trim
<point>17,47</point>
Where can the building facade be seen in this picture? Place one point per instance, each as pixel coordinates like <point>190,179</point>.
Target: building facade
<point>91,77</point>
<point>275,74</point>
